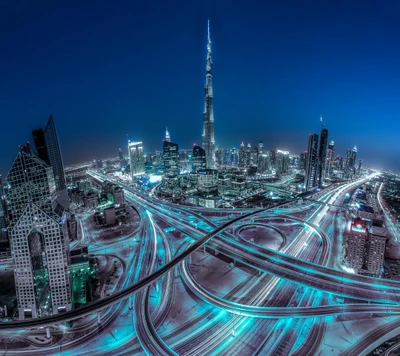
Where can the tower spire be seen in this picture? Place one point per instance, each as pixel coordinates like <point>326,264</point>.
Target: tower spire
<point>209,38</point>
<point>167,136</point>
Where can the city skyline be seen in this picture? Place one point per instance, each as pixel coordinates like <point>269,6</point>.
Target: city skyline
<point>282,103</point>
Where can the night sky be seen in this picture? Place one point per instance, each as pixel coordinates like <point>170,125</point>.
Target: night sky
<point>106,69</point>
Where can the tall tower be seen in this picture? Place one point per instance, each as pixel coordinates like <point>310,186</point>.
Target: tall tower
<point>38,238</point>
<point>310,179</point>
<point>323,143</point>
<point>208,114</point>
<point>242,159</point>
<point>170,156</point>
<point>329,159</point>
<point>48,150</point>
<point>136,158</point>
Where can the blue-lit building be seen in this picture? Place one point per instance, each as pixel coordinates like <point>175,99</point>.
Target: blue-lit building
<point>310,176</point>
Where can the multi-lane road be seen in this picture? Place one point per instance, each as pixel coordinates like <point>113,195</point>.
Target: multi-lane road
<point>287,295</point>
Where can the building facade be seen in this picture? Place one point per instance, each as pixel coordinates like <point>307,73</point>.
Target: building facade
<point>199,159</point>
<point>171,158</point>
<point>329,159</point>
<point>48,150</point>
<point>323,144</point>
<point>38,239</point>
<point>310,176</point>
<point>136,158</point>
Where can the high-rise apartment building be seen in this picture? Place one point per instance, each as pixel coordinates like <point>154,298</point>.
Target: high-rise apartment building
<point>38,239</point>
<point>310,178</point>
<point>208,114</point>
<point>136,158</point>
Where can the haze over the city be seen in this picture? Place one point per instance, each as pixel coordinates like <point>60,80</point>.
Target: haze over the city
<point>106,71</point>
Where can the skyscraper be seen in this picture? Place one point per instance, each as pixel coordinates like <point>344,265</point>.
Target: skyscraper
<point>48,150</point>
<point>247,160</point>
<point>170,156</point>
<point>260,147</point>
<point>208,114</point>
<point>329,159</point>
<point>3,213</point>
<point>38,239</point>
<point>353,160</point>
<point>347,163</point>
<point>56,162</point>
<point>282,162</point>
<point>323,143</point>
<point>136,158</point>
<point>242,156</point>
<point>310,178</point>
<point>198,158</point>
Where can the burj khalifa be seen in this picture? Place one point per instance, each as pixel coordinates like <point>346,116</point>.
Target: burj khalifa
<point>208,115</point>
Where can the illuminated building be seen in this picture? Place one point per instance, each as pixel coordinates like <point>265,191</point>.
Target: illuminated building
<point>198,158</point>
<point>242,156</point>
<point>170,156</point>
<point>207,181</point>
<point>282,162</point>
<point>208,114</point>
<point>136,158</point>
<point>272,157</point>
<point>224,182</point>
<point>185,160</point>
<point>353,159</point>
<point>264,163</point>
<point>3,213</point>
<point>302,160</point>
<point>167,136</point>
<point>254,156</point>
<point>323,143</point>
<point>363,249</point>
<point>329,159</point>
<point>347,163</point>
<point>260,147</point>
<point>247,156</point>
<point>219,156</point>
<point>38,239</point>
<point>310,178</point>
<point>48,150</point>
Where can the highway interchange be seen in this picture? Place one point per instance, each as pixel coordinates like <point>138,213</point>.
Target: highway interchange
<point>283,303</point>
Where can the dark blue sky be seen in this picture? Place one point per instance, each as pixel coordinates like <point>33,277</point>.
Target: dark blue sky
<point>110,68</point>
